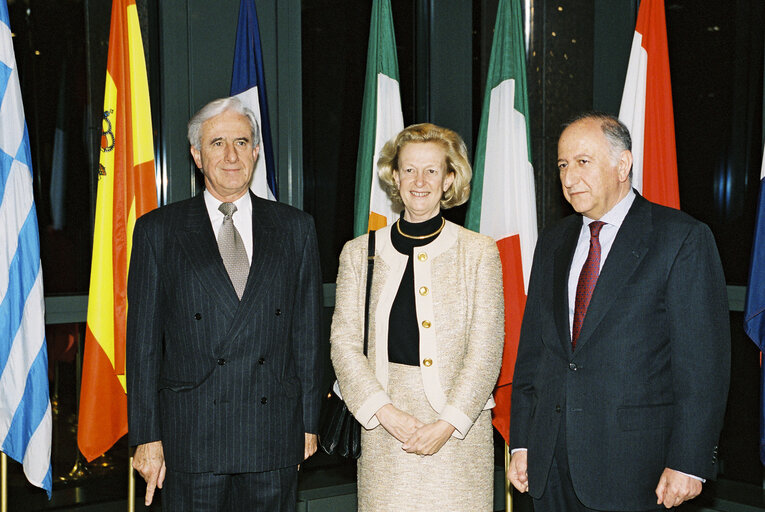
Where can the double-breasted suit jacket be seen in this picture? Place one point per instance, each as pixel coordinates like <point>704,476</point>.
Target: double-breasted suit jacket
<point>228,386</point>
<point>646,386</point>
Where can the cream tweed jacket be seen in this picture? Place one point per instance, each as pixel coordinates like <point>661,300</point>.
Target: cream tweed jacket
<point>460,313</point>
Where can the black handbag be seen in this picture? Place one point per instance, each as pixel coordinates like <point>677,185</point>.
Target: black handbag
<point>339,432</point>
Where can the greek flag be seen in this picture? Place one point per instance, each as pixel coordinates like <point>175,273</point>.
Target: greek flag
<point>25,415</point>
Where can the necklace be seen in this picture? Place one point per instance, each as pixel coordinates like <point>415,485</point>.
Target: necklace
<point>420,237</point>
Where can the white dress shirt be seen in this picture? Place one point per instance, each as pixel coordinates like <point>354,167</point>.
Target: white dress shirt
<point>613,219</point>
<point>242,218</point>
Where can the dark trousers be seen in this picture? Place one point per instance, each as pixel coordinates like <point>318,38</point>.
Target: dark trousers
<point>559,495</point>
<point>272,491</point>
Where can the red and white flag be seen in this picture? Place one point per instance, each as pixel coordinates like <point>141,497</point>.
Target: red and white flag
<point>647,108</point>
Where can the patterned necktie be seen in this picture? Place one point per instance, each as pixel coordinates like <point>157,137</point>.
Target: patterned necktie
<point>587,279</point>
<point>232,250</point>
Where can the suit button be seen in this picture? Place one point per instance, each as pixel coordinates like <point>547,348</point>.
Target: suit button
<point>198,316</point>
<point>422,256</point>
<point>261,360</point>
<point>572,366</point>
<point>423,290</point>
<point>264,400</point>
<point>221,361</point>
<point>278,312</point>
<point>426,324</point>
<point>427,362</point>
<point>557,408</point>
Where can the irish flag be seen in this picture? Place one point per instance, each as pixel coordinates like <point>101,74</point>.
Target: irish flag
<point>126,190</point>
<point>647,108</point>
<point>381,120</point>
<point>502,203</point>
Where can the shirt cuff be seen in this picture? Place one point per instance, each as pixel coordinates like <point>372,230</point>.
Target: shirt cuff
<point>512,452</point>
<point>702,480</point>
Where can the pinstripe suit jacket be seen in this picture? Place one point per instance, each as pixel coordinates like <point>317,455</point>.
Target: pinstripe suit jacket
<point>228,386</point>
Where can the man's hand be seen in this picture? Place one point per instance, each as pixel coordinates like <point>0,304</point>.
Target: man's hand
<point>149,461</point>
<point>517,472</point>
<point>429,438</point>
<point>311,444</point>
<point>398,423</point>
<point>674,488</point>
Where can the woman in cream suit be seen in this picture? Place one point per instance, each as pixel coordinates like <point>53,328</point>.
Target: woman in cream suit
<point>436,332</point>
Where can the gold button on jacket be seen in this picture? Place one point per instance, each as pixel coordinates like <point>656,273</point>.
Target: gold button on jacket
<point>427,362</point>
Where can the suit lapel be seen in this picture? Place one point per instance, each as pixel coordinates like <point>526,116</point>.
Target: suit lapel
<point>628,250</point>
<point>561,265</point>
<point>197,240</point>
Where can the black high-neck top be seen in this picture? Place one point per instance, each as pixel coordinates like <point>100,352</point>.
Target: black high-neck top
<point>403,331</point>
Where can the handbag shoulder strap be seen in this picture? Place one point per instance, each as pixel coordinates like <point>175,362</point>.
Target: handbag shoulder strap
<point>370,269</point>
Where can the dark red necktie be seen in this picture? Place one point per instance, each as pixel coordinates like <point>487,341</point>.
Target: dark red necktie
<point>587,279</point>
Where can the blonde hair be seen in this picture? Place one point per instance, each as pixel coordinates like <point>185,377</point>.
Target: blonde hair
<point>456,161</point>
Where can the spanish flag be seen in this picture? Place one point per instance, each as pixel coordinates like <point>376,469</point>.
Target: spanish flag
<point>126,190</point>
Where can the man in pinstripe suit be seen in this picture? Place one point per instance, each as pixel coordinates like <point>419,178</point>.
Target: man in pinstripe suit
<point>223,366</point>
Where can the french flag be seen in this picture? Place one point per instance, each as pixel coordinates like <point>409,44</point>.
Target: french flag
<point>248,83</point>
<point>754,312</point>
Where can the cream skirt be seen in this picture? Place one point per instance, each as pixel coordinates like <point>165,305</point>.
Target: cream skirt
<point>457,478</point>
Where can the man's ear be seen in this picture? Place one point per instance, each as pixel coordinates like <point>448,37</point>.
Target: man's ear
<point>625,165</point>
<point>197,156</point>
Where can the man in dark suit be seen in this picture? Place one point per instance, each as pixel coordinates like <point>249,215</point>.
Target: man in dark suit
<point>223,330</point>
<point>623,364</point>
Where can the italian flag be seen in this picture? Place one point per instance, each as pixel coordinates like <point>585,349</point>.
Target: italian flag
<point>503,204</point>
<point>126,190</point>
<point>381,120</point>
<point>647,108</point>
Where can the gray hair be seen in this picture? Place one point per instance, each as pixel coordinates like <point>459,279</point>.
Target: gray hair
<point>616,133</point>
<point>216,107</point>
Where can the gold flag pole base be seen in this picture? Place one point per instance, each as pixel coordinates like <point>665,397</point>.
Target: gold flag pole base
<point>4,485</point>
<point>508,487</point>
<point>78,472</point>
<point>131,486</point>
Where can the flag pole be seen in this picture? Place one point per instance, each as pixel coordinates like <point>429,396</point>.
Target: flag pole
<point>131,485</point>
<point>4,478</point>
<point>508,489</point>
